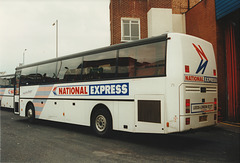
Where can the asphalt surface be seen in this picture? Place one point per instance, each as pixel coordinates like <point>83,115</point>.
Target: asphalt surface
<point>46,141</point>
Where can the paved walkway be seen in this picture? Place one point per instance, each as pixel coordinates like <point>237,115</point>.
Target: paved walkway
<point>230,126</point>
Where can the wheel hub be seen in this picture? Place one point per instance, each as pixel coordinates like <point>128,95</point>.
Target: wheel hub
<point>100,123</point>
<point>29,113</point>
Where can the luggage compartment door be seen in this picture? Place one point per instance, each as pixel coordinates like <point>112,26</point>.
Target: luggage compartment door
<point>149,113</point>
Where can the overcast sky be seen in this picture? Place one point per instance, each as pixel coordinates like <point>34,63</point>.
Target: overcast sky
<point>28,24</point>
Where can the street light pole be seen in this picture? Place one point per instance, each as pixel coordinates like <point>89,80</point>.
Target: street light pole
<point>24,56</point>
<point>56,23</point>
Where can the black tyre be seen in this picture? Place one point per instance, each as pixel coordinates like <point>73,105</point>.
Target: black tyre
<point>30,113</point>
<point>102,122</point>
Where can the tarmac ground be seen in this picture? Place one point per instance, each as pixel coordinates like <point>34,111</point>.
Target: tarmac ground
<point>47,141</point>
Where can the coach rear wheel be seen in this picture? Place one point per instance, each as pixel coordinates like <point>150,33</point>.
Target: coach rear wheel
<point>102,122</point>
<point>30,113</point>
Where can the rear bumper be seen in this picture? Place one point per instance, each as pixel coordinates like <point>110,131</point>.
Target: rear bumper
<point>195,121</point>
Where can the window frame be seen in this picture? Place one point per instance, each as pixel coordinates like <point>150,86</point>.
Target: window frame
<point>34,81</point>
<point>130,32</point>
<point>106,53</point>
<point>137,56</point>
<point>9,78</point>
<point>116,48</point>
<point>61,63</point>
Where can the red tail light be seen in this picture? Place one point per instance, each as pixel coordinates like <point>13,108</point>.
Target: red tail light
<point>214,72</point>
<point>215,103</point>
<point>187,105</point>
<point>187,121</point>
<point>187,68</point>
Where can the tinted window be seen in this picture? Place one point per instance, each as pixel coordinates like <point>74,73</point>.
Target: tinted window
<point>7,81</point>
<point>70,70</point>
<point>144,60</point>
<point>46,73</point>
<point>18,75</point>
<point>28,76</point>
<point>100,66</point>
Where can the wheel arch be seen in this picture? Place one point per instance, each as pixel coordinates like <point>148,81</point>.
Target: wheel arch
<point>100,106</point>
<point>29,103</point>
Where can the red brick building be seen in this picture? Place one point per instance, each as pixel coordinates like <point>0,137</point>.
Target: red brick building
<point>126,13</point>
<point>134,11</point>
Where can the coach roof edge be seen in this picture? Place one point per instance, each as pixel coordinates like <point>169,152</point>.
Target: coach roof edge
<point>100,50</point>
<point>7,75</point>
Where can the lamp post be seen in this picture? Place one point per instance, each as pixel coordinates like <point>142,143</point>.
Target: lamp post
<point>56,23</point>
<point>24,55</point>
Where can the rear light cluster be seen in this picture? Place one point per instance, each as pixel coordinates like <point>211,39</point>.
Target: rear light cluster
<point>187,69</point>
<point>214,72</point>
<point>187,105</point>
<point>215,103</point>
<point>187,121</point>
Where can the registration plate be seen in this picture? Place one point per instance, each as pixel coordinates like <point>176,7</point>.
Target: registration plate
<point>202,108</point>
<point>203,118</point>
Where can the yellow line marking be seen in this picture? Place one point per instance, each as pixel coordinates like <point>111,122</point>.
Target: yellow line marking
<point>230,124</point>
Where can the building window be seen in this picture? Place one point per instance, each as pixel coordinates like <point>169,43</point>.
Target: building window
<point>130,29</point>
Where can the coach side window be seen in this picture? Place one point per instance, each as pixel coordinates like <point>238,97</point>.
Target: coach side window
<point>6,82</point>
<point>28,76</point>
<point>69,70</point>
<point>142,61</point>
<point>46,73</point>
<point>100,66</point>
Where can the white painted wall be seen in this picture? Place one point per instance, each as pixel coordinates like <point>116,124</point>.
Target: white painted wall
<point>179,23</point>
<point>161,20</point>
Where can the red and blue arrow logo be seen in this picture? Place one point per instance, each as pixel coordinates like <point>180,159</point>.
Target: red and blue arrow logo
<point>204,61</point>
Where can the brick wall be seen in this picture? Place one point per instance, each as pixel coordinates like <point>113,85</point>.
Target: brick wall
<point>201,22</point>
<point>132,9</point>
<point>181,6</point>
<point>139,9</point>
<point>159,4</point>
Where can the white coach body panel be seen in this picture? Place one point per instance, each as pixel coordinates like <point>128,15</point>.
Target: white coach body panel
<point>182,97</point>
